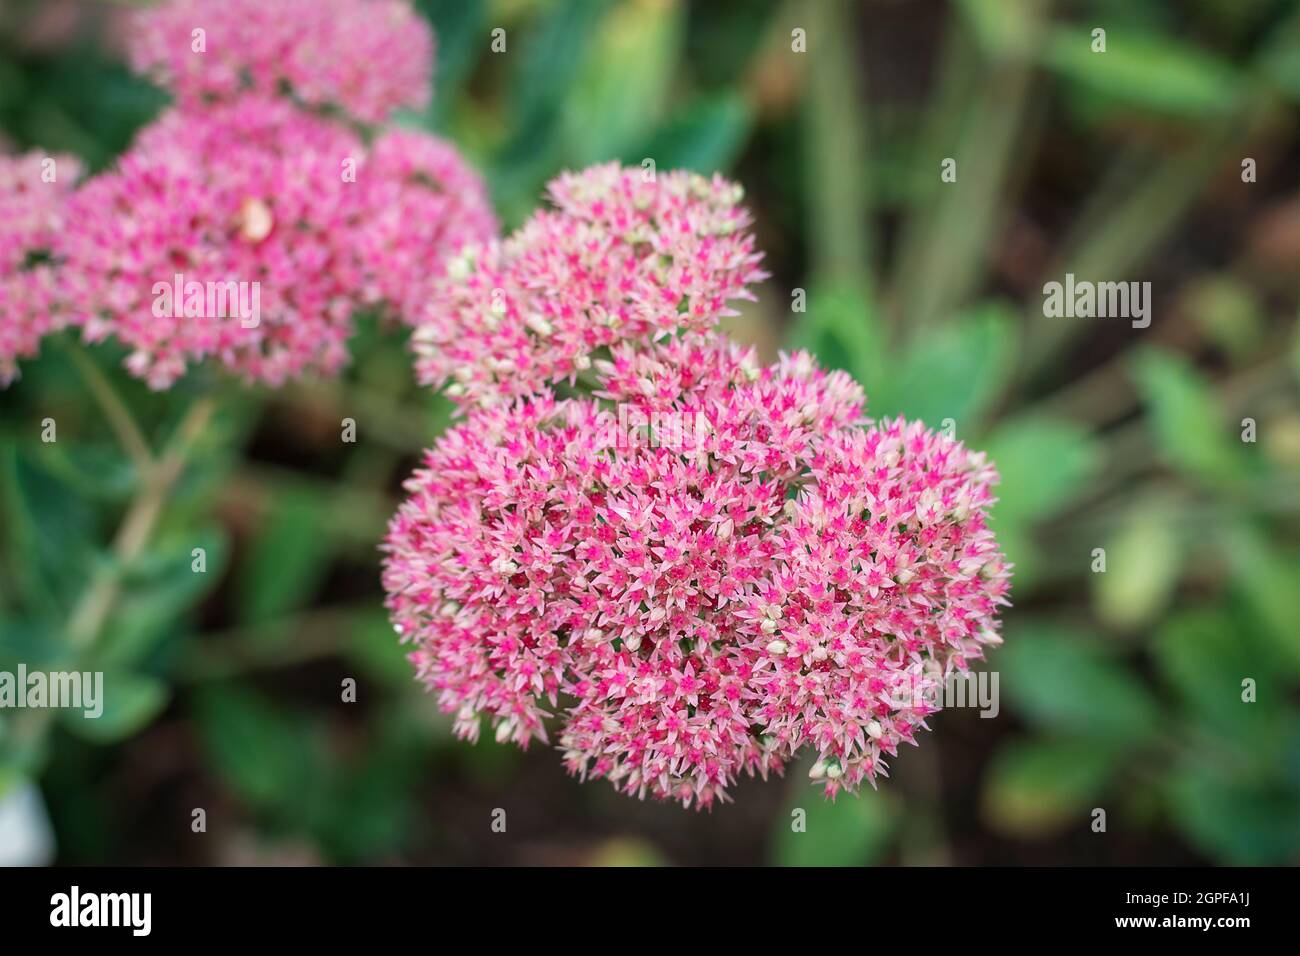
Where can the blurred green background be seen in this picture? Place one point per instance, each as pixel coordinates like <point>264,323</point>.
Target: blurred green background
<point>1120,690</point>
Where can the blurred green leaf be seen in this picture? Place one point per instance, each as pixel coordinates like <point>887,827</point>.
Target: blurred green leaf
<point>1043,463</point>
<point>257,749</point>
<point>1038,787</point>
<point>158,592</point>
<point>459,33</point>
<point>547,67</point>
<point>130,703</point>
<point>1235,820</point>
<point>1061,679</point>
<point>287,560</point>
<point>624,81</point>
<point>840,326</point>
<point>706,136</point>
<point>952,371</point>
<point>1185,417</point>
<point>1143,560</point>
<point>1001,26</point>
<point>1145,71</point>
<point>852,831</point>
<point>1269,581</point>
<point>49,533</point>
<point>377,649</point>
<point>1204,654</point>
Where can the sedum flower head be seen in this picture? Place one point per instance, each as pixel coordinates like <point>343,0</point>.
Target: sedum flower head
<point>687,611</point>
<point>618,258</point>
<point>423,204</point>
<point>250,192</point>
<point>33,195</point>
<point>365,57</point>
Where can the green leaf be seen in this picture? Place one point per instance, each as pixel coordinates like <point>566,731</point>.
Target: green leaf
<point>1145,71</point>
<point>287,560</point>
<point>1235,820</point>
<point>158,592</point>
<point>842,328</point>
<point>256,748</point>
<point>1143,559</point>
<point>1266,577</point>
<point>377,650</point>
<point>1205,654</point>
<point>954,371</point>
<point>458,29</point>
<point>49,534</point>
<point>1185,418</point>
<point>548,65</point>
<point>1037,787</point>
<point>706,135</point>
<point>1063,680</point>
<point>625,78</point>
<point>1044,464</point>
<point>851,831</point>
<point>130,702</point>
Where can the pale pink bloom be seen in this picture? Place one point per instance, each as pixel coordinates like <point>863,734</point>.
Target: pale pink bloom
<point>423,204</point>
<point>251,192</point>
<point>366,57</point>
<point>681,616</point>
<point>618,258</point>
<point>33,196</point>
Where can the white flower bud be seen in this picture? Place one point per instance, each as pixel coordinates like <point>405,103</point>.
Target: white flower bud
<point>777,648</point>
<point>875,731</point>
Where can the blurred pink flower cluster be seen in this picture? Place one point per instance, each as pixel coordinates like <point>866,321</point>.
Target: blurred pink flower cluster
<point>675,605</point>
<point>33,188</point>
<point>365,58</point>
<point>250,189</point>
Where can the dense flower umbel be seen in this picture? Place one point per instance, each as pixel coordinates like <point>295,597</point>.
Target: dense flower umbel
<point>367,57</point>
<point>691,613</point>
<point>249,192</point>
<point>33,195</point>
<point>618,259</point>
<point>423,204</point>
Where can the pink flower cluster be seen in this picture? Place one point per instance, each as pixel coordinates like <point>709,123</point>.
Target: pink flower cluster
<point>621,257</point>
<point>240,195</point>
<point>366,57</point>
<point>680,615</point>
<point>422,202</point>
<point>249,192</point>
<point>32,191</point>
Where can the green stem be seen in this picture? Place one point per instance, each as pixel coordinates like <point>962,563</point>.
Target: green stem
<point>119,417</point>
<point>836,160</point>
<point>137,527</point>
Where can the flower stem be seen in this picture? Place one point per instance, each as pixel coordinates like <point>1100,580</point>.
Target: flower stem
<point>137,527</point>
<point>115,411</point>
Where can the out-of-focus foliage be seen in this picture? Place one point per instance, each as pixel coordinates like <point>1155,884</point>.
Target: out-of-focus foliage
<point>1121,689</point>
